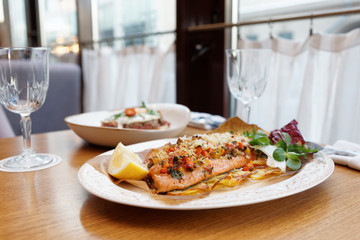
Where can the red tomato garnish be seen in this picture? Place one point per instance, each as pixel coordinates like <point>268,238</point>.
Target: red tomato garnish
<point>163,170</point>
<point>188,163</point>
<point>248,167</point>
<point>170,150</point>
<point>130,112</point>
<point>245,168</point>
<point>205,154</point>
<point>198,150</point>
<point>171,162</point>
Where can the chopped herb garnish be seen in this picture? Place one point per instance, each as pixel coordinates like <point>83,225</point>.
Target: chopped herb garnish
<point>116,116</point>
<point>152,112</point>
<point>175,173</point>
<point>176,161</point>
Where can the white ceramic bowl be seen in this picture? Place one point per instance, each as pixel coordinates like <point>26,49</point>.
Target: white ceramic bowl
<point>88,126</point>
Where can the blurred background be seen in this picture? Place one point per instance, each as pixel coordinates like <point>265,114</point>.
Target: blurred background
<point>120,52</point>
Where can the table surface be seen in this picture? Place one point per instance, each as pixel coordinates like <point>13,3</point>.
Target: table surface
<point>51,204</point>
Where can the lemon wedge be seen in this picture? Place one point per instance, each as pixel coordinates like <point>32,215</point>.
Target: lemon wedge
<point>126,165</point>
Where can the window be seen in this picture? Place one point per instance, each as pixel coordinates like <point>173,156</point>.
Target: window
<point>17,22</point>
<point>298,30</point>
<point>117,19</point>
<point>58,24</point>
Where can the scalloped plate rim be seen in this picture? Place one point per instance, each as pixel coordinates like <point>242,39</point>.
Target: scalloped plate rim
<point>87,173</point>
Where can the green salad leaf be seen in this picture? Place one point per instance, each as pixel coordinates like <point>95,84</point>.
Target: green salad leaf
<point>285,151</point>
<point>279,155</point>
<point>258,138</point>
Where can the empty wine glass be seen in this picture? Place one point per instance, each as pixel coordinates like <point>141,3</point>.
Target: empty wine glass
<point>24,80</point>
<point>247,71</point>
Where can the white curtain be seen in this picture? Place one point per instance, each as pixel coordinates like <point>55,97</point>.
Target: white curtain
<point>316,82</point>
<point>116,79</point>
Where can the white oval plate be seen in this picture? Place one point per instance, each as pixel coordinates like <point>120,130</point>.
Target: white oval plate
<point>97,183</point>
<point>88,126</point>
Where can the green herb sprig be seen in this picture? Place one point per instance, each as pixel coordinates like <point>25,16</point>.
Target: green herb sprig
<point>258,138</point>
<point>285,151</point>
<point>117,115</point>
<point>149,111</point>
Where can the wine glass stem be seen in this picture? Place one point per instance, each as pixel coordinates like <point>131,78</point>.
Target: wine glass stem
<point>25,124</point>
<point>247,113</point>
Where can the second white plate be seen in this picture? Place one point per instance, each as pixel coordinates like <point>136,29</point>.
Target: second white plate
<point>88,126</point>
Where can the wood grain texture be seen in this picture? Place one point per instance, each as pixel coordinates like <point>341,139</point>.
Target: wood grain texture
<point>51,204</point>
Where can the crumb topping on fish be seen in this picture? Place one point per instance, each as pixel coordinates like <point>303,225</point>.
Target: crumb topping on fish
<point>193,159</point>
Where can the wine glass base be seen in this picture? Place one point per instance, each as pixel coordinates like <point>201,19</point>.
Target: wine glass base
<point>31,162</point>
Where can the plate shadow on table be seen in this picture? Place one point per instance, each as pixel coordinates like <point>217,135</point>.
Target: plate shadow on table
<point>205,223</point>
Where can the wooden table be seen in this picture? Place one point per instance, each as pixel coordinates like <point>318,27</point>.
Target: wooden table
<point>51,204</point>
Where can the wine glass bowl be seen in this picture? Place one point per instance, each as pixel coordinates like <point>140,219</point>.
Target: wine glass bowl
<point>24,80</point>
<point>247,71</point>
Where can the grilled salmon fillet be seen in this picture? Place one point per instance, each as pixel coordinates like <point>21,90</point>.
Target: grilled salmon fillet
<point>193,159</point>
